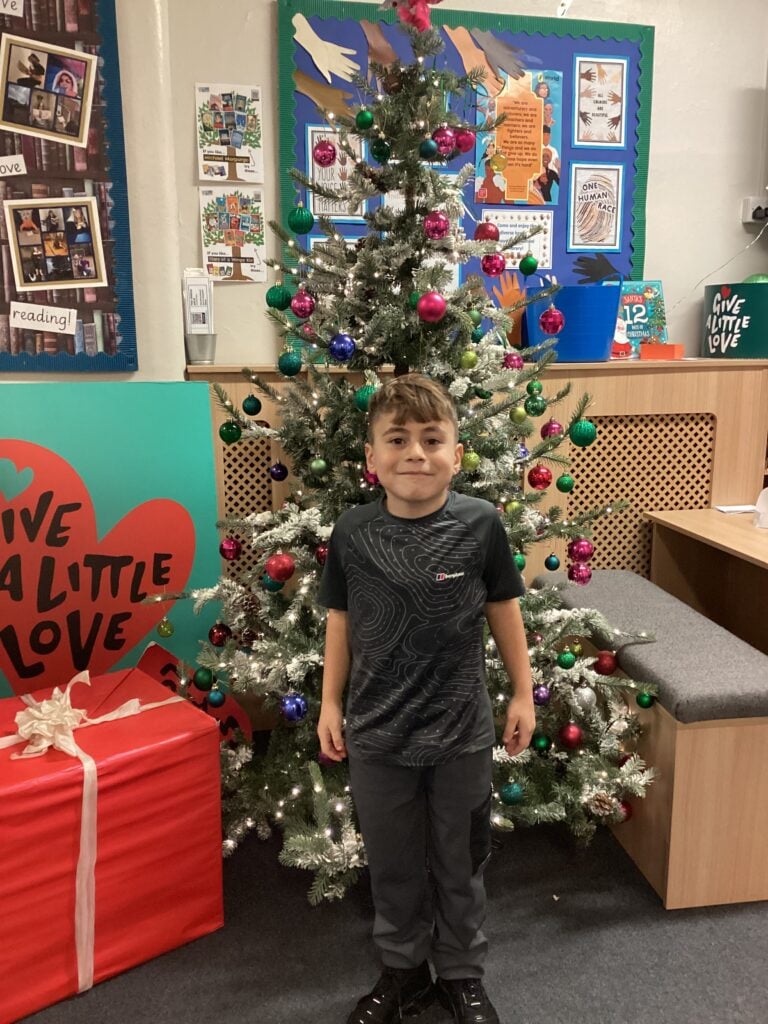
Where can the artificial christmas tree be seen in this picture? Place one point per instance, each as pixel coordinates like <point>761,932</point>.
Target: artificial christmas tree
<point>388,304</point>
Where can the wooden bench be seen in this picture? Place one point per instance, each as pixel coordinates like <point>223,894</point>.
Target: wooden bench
<point>700,836</point>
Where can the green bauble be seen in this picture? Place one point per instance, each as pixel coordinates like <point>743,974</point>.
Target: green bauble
<point>566,659</point>
<point>413,299</point>
<point>528,264</point>
<point>477,334</point>
<point>428,149</point>
<point>278,296</point>
<point>518,414</point>
<point>583,433</point>
<point>476,317</point>
<point>203,679</point>
<point>251,405</point>
<point>535,405</point>
<point>300,220</point>
<point>363,120</point>
<point>381,150</point>
<point>565,483</point>
<point>318,467</point>
<point>552,562</point>
<point>645,700</point>
<point>165,628</point>
<point>230,432</point>
<point>468,359</point>
<point>363,397</point>
<point>512,793</point>
<point>534,387</point>
<point>541,742</point>
<point>470,461</point>
<point>289,363</point>
<point>520,560</point>
<point>756,279</point>
<point>483,393</point>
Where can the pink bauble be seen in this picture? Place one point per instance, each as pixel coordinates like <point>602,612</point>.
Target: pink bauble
<point>321,554</point>
<point>551,321</point>
<point>493,264</point>
<point>446,140</point>
<point>324,152</point>
<point>579,573</point>
<point>487,231</point>
<point>513,361</point>
<point>431,307</point>
<point>280,567</point>
<point>581,549</point>
<point>370,478</point>
<point>230,548</point>
<point>302,304</point>
<point>570,736</point>
<point>436,225</point>
<point>551,429</point>
<point>465,140</point>
<point>308,331</point>
<point>539,477</point>
<point>626,809</point>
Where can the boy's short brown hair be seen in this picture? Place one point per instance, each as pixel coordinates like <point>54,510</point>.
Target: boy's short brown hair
<point>412,397</point>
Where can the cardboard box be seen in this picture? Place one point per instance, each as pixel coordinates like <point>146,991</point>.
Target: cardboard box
<point>158,871</point>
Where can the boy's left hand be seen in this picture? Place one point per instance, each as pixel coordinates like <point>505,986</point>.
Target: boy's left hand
<point>521,721</point>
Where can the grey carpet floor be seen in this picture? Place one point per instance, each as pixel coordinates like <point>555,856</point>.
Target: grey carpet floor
<point>603,952</point>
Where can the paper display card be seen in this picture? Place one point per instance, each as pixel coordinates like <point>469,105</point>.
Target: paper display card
<point>47,90</point>
<point>642,318</point>
<point>335,176</point>
<point>600,87</point>
<point>512,223</point>
<point>232,225</point>
<point>229,133</point>
<point>10,166</point>
<point>55,243</point>
<point>198,302</point>
<point>594,218</point>
<point>30,315</point>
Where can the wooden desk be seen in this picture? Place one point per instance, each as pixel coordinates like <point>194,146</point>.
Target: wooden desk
<point>717,564</point>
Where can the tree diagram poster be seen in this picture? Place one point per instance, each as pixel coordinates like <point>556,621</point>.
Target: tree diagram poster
<point>229,133</point>
<point>232,225</point>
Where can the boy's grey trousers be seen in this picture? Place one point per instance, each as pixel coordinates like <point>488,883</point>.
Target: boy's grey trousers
<point>427,835</point>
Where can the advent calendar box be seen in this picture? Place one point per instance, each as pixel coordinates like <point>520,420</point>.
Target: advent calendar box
<point>112,856</point>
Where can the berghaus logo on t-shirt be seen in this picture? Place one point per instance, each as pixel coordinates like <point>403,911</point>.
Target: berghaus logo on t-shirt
<point>441,576</point>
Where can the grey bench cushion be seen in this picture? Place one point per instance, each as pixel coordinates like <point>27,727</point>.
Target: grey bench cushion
<point>703,672</point>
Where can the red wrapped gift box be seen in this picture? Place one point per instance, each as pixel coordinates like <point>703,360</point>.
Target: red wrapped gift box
<point>158,873</point>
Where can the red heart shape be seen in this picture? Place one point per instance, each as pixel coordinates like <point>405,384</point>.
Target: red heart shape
<point>68,600</point>
<point>725,291</point>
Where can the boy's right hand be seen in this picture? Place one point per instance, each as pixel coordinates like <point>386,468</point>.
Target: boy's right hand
<point>331,732</point>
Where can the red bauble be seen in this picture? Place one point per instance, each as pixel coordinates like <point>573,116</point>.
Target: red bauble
<point>302,304</point>
<point>605,663</point>
<point>581,549</point>
<point>308,332</point>
<point>551,429</point>
<point>321,553</point>
<point>431,307</point>
<point>230,548</point>
<point>623,759</point>
<point>436,225</point>
<point>626,809</point>
<point>551,321</point>
<point>219,633</point>
<point>487,231</point>
<point>324,152</point>
<point>513,361</point>
<point>539,477</point>
<point>579,573</point>
<point>465,140</point>
<point>570,736</point>
<point>445,138</point>
<point>280,568</point>
<point>493,264</point>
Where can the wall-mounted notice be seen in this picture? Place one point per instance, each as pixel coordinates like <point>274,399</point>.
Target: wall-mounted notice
<point>229,133</point>
<point>232,223</point>
<point>596,198</point>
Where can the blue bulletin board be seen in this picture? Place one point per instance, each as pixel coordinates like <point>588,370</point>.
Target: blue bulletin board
<point>571,157</point>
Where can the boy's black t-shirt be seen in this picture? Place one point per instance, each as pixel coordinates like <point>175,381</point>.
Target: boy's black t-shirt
<point>414,591</point>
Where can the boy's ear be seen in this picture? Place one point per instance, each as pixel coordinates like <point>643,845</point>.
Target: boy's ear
<point>369,458</point>
<point>457,455</point>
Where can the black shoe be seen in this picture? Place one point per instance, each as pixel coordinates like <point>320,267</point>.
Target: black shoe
<point>467,1000</point>
<point>397,994</point>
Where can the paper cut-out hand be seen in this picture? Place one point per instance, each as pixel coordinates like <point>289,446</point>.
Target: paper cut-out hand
<point>473,57</point>
<point>379,49</point>
<point>508,293</point>
<point>591,269</point>
<point>500,54</point>
<point>325,96</point>
<point>328,57</point>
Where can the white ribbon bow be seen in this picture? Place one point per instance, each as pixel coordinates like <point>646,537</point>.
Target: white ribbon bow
<point>52,723</point>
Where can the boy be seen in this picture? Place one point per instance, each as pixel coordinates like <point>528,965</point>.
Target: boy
<point>407,582</point>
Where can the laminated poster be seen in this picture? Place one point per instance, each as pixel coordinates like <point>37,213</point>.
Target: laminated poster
<point>600,112</point>
<point>232,224</point>
<point>335,176</point>
<point>229,133</point>
<point>596,197</point>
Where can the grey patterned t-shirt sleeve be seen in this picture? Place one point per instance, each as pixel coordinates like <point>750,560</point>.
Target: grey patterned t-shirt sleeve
<point>333,585</point>
<point>501,576</point>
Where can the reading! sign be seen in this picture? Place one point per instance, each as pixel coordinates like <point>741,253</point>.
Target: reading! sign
<point>70,600</point>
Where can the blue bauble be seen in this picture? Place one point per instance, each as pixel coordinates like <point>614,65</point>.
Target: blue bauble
<point>216,698</point>
<point>271,585</point>
<point>512,793</point>
<point>522,453</point>
<point>342,347</point>
<point>293,707</point>
<point>278,471</point>
<point>552,562</point>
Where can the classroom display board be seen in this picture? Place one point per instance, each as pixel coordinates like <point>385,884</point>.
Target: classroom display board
<point>67,298</point>
<point>571,156</point>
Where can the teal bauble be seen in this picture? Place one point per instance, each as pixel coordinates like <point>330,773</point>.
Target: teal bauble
<point>512,793</point>
<point>271,585</point>
<point>251,405</point>
<point>301,220</point>
<point>428,149</point>
<point>203,679</point>
<point>363,397</point>
<point>289,363</point>
<point>363,120</point>
<point>216,698</point>
<point>552,562</point>
<point>381,150</point>
<point>230,432</point>
<point>278,296</point>
<point>582,433</point>
<point>477,334</point>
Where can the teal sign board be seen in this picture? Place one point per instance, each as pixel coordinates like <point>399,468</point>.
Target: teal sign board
<point>736,321</point>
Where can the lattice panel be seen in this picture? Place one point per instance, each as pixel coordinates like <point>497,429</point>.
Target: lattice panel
<point>653,462</point>
<point>247,489</point>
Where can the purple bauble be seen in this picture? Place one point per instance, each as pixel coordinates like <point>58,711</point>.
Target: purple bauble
<point>324,760</point>
<point>431,307</point>
<point>551,321</point>
<point>278,471</point>
<point>494,264</point>
<point>293,707</point>
<point>219,633</point>
<point>464,139</point>
<point>579,573</point>
<point>324,152</point>
<point>342,347</point>
<point>436,225</point>
<point>522,453</point>
<point>541,695</point>
<point>445,138</point>
<point>230,548</point>
<point>551,429</point>
<point>513,361</point>
<point>581,549</point>
<point>302,304</point>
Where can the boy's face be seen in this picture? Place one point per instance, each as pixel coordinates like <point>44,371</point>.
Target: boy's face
<point>415,463</point>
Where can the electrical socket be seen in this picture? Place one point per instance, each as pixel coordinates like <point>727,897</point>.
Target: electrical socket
<point>754,210</point>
